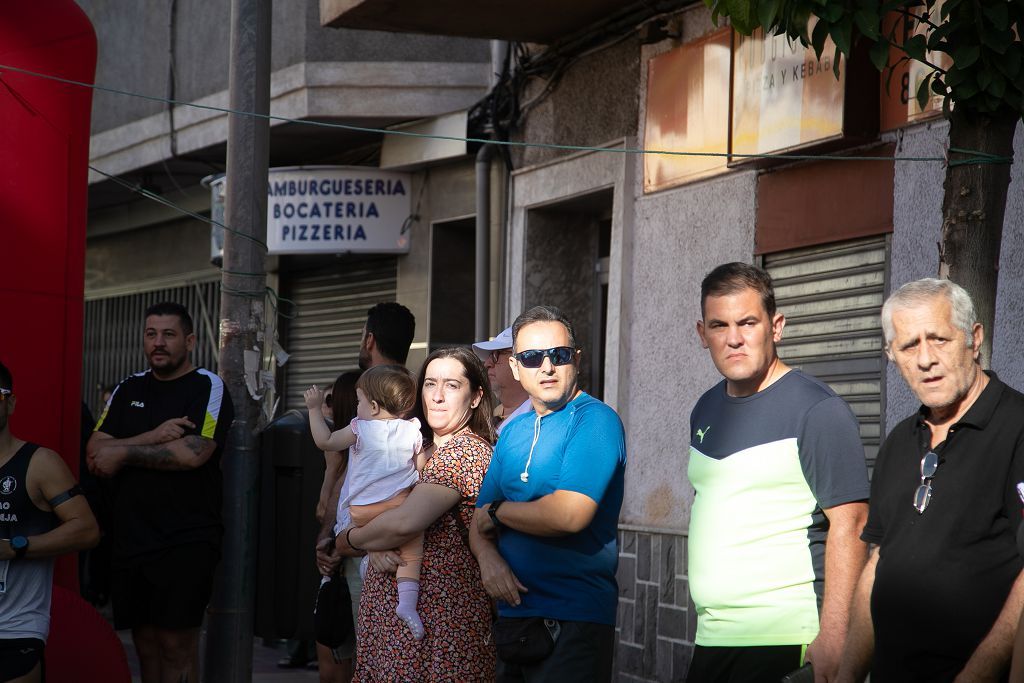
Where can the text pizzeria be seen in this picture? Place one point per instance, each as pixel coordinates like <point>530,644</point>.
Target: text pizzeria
<point>322,233</point>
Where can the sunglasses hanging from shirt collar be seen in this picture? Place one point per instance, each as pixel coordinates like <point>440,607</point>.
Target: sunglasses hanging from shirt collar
<point>923,494</point>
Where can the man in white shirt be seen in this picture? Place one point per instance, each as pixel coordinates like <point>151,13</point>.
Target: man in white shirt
<point>512,398</point>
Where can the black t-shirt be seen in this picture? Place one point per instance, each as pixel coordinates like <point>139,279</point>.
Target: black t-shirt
<point>156,509</point>
<point>944,575</point>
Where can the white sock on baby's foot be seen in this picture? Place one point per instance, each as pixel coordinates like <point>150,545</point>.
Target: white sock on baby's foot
<point>408,596</point>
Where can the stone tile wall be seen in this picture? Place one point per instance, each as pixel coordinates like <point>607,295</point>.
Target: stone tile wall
<point>656,620</point>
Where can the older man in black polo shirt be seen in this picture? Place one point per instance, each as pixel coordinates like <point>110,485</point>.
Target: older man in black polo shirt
<point>942,592</point>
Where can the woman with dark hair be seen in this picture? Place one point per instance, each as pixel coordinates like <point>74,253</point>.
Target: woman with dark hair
<point>339,408</point>
<point>454,408</point>
<point>335,664</point>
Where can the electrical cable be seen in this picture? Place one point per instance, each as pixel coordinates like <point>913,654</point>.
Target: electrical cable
<point>275,298</point>
<point>981,157</point>
<point>168,203</point>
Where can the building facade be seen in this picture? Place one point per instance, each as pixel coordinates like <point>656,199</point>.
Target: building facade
<point>171,143</point>
<point>622,240</point>
<point>618,239</point>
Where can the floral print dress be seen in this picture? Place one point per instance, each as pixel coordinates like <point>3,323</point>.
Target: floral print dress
<point>452,604</point>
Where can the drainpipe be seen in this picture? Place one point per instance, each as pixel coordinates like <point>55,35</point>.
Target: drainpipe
<point>482,321</point>
<point>483,242</point>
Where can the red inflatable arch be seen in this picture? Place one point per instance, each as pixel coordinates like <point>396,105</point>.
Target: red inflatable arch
<point>44,152</point>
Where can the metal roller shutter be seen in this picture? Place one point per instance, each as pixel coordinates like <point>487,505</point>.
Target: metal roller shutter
<point>832,298</point>
<point>330,310</point>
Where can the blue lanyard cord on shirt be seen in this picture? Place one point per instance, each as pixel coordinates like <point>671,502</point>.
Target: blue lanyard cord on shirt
<point>525,475</point>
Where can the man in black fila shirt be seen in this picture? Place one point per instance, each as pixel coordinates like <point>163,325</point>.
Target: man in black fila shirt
<point>159,441</point>
<point>41,516</point>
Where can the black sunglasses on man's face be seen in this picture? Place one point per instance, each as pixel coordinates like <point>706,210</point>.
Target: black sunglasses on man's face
<point>534,358</point>
<point>4,393</point>
<point>495,356</point>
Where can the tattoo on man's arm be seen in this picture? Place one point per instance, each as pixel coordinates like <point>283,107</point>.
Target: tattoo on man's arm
<point>161,457</point>
<point>196,444</point>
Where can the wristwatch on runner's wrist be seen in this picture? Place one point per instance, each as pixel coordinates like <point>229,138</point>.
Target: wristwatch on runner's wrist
<point>19,544</point>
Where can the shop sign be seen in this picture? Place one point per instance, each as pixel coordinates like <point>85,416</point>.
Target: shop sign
<point>337,210</point>
<point>784,97</point>
<point>899,83</point>
<point>687,110</point>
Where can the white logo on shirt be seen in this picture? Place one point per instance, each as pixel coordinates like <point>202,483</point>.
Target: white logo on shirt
<point>138,404</point>
<point>8,485</point>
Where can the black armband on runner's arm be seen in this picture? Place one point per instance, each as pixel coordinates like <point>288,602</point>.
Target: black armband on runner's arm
<point>75,490</point>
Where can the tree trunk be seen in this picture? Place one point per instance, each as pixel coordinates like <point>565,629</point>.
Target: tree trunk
<point>973,209</point>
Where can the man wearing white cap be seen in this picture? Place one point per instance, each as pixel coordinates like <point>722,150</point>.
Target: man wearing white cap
<point>513,399</point>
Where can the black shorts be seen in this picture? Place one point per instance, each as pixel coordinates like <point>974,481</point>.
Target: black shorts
<point>754,664</point>
<point>582,654</point>
<point>19,656</point>
<point>169,590</point>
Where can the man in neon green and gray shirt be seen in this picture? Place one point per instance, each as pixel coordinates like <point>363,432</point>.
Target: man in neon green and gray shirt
<point>778,468</point>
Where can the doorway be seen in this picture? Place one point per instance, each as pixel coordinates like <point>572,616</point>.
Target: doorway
<point>452,282</point>
<point>567,264</point>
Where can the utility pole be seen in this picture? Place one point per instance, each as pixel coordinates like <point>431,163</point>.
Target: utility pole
<point>243,290</point>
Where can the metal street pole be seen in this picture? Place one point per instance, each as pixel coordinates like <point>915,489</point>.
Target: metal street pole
<point>243,286</point>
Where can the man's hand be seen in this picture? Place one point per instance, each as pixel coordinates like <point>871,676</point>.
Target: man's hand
<point>498,579</point>
<point>485,525</point>
<point>107,461</point>
<point>824,653</point>
<point>326,561</point>
<point>314,398</point>
<point>6,551</point>
<point>170,430</point>
<point>385,561</point>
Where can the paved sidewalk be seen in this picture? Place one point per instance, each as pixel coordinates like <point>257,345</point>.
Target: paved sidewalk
<point>264,663</point>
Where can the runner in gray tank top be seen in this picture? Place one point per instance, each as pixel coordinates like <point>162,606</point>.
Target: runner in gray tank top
<point>42,515</point>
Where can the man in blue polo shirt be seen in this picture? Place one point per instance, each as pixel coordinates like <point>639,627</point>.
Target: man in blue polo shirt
<point>545,530</point>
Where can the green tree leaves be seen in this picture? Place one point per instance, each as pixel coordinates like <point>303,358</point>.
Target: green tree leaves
<point>966,56</point>
<point>768,12</point>
<point>743,14</point>
<point>982,39</point>
<point>879,54</point>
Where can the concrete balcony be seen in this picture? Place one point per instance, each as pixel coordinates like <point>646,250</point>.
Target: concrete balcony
<point>375,94</point>
<point>532,21</point>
